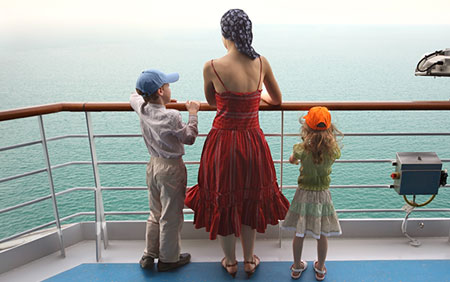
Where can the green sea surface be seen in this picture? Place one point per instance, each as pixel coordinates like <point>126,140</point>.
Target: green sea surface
<point>310,62</point>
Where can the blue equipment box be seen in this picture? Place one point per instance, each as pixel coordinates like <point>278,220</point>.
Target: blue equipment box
<point>418,173</point>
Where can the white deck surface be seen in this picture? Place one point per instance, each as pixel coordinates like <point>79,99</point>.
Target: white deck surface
<point>130,251</point>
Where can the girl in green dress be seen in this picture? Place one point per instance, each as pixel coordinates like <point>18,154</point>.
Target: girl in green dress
<point>312,211</point>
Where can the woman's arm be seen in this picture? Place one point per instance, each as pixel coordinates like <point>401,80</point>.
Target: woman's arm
<point>210,92</point>
<point>273,97</point>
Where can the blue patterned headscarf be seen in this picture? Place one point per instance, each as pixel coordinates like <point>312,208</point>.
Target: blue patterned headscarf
<point>237,27</point>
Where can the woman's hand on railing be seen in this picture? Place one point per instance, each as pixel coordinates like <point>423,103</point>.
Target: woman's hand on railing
<point>263,103</point>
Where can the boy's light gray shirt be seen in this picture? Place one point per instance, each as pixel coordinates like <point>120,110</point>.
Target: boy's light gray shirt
<point>163,129</point>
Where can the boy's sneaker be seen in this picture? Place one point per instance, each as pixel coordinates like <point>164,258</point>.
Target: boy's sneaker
<point>166,266</point>
<point>147,262</point>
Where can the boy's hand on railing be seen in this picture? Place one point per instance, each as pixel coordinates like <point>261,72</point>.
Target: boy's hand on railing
<point>192,107</point>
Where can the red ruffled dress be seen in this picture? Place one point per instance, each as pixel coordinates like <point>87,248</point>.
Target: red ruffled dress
<point>236,180</point>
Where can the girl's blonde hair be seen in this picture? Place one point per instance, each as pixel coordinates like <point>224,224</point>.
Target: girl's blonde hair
<point>320,143</point>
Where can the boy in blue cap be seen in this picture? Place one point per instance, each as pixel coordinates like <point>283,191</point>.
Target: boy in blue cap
<point>164,134</point>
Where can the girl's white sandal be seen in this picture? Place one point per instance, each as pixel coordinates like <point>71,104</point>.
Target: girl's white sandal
<point>318,271</point>
<point>297,272</point>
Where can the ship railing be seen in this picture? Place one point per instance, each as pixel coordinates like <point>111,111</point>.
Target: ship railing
<point>99,212</point>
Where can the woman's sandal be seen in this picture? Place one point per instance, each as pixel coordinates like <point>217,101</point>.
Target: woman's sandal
<point>320,274</point>
<point>226,266</point>
<point>255,262</point>
<point>297,272</point>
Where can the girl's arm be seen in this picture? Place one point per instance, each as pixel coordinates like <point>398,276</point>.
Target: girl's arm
<point>293,160</point>
<point>210,92</point>
<point>273,97</point>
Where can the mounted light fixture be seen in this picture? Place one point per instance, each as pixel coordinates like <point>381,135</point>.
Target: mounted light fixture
<point>434,64</point>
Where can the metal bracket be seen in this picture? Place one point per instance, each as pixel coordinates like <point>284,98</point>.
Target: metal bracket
<point>413,242</point>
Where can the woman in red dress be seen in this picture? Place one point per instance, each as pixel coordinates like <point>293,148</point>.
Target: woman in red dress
<point>237,192</point>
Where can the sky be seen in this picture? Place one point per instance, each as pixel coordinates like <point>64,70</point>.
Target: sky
<point>28,15</point>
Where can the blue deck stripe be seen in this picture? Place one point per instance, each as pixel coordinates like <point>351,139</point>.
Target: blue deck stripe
<point>386,270</point>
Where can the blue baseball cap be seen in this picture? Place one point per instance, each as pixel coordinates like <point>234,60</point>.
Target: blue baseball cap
<point>151,80</point>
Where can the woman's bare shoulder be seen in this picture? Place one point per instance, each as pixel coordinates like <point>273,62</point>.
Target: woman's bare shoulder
<point>207,65</point>
<point>267,69</point>
<point>264,61</point>
<point>207,68</point>
<point>216,62</point>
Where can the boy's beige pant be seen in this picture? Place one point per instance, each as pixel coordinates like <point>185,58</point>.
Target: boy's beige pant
<point>166,182</point>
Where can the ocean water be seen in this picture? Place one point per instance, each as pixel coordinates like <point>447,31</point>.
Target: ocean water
<point>310,62</point>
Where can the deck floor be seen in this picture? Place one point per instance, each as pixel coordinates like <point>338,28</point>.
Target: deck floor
<point>348,271</point>
<point>340,249</point>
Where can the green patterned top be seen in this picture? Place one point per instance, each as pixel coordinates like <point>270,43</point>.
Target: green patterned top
<point>314,176</point>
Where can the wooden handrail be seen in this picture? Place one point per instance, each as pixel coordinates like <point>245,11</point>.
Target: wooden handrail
<point>286,106</point>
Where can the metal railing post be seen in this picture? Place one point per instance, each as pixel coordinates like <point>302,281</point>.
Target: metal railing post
<point>281,173</point>
<point>100,222</point>
<point>52,186</point>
